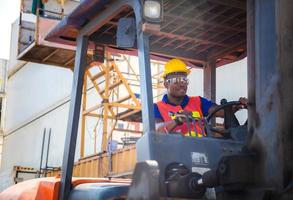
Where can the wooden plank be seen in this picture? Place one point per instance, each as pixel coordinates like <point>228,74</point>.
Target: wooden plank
<point>116,69</point>
<point>122,99</point>
<point>125,106</point>
<point>100,74</point>
<point>105,128</point>
<point>28,28</point>
<point>87,111</point>
<point>50,55</point>
<point>98,165</point>
<point>69,61</point>
<point>127,130</point>
<point>128,114</point>
<point>111,86</point>
<point>98,115</point>
<point>95,84</point>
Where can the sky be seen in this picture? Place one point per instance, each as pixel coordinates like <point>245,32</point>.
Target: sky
<point>9,12</point>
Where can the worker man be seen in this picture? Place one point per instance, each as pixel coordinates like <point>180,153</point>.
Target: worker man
<point>173,111</point>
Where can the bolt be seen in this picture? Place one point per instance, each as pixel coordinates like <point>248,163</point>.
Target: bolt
<point>223,168</point>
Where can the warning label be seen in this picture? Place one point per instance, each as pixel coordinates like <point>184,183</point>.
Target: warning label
<point>199,158</point>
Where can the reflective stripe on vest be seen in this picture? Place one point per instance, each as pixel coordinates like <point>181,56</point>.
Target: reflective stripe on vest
<point>193,105</point>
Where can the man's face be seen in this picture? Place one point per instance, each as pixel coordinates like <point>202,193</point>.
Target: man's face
<point>176,84</point>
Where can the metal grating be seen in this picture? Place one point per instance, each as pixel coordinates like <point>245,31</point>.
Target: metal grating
<point>197,31</point>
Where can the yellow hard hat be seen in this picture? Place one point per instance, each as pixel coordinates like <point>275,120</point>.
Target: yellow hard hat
<point>175,65</point>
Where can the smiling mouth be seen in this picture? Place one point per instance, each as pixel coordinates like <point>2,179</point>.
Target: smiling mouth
<point>182,89</point>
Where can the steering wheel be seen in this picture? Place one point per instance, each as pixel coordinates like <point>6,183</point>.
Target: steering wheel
<point>230,120</point>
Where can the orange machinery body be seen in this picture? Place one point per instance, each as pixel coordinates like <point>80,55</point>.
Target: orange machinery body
<point>48,188</point>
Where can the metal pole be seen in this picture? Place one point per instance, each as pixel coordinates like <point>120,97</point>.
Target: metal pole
<point>145,73</point>
<point>74,113</point>
<point>267,130</point>
<point>48,149</point>
<point>42,151</point>
<point>106,104</point>
<point>285,68</point>
<point>251,67</point>
<point>146,92</point>
<point>210,83</point>
<point>83,117</point>
<point>210,80</point>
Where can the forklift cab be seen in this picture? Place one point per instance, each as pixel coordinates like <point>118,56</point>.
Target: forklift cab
<point>183,160</point>
<point>205,34</point>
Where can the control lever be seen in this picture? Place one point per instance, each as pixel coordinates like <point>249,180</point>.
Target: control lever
<point>190,119</point>
<point>178,114</point>
<point>194,125</point>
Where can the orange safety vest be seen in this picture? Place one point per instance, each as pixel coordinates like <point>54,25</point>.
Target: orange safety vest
<point>194,106</point>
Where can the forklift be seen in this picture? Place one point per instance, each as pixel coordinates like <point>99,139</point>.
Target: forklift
<point>252,161</point>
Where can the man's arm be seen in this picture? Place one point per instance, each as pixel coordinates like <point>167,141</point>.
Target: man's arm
<point>220,113</point>
<point>165,127</point>
<point>161,125</point>
<point>179,119</point>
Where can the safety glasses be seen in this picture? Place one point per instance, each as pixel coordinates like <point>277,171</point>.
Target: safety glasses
<point>178,80</point>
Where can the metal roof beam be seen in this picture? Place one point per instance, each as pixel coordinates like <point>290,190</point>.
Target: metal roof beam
<point>155,50</point>
<point>113,9</point>
<point>171,52</point>
<point>181,37</point>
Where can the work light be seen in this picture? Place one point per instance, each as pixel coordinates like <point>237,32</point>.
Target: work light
<point>152,10</point>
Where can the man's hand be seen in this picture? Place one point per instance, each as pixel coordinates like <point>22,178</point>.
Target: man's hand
<point>243,101</point>
<point>183,116</point>
<point>243,104</point>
